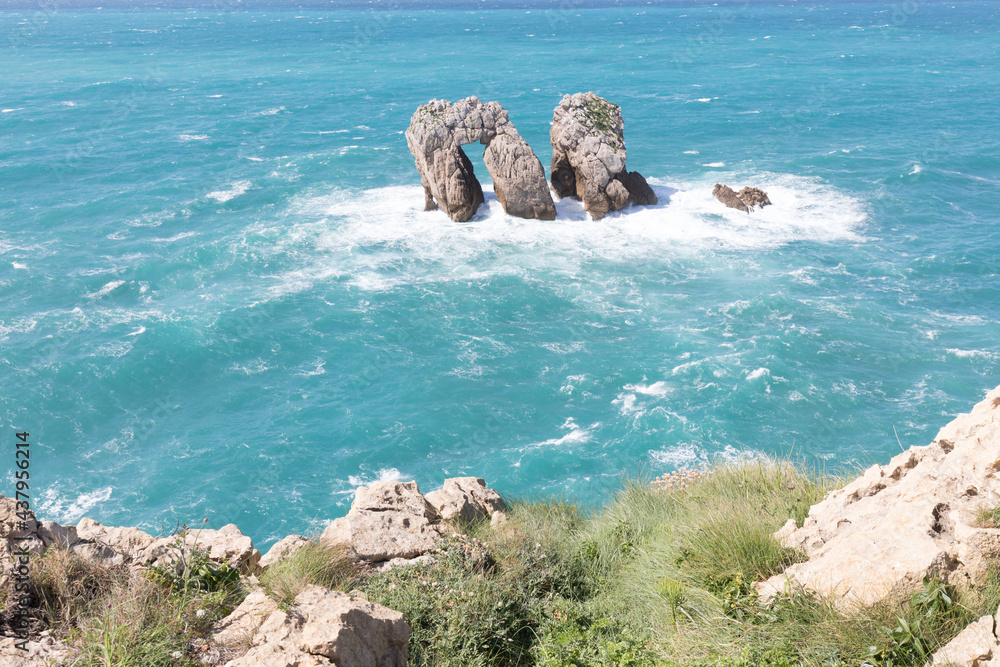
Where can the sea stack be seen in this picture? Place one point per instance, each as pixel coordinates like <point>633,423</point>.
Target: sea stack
<point>588,156</point>
<point>436,134</point>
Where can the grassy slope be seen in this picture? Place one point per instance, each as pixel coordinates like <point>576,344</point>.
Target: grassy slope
<point>658,577</point>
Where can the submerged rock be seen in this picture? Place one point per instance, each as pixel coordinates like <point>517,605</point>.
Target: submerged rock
<point>588,156</point>
<point>435,137</point>
<point>918,516</point>
<point>745,200</point>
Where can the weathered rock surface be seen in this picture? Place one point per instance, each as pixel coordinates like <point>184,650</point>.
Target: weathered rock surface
<point>975,646</point>
<point>915,517</point>
<point>466,499</point>
<point>225,545</point>
<point>728,196</point>
<point>240,627</point>
<point>41,652</point>
<point>325,627</point>
<point>138,548</point>
<point>387,520</point>
<point>16,533</point>
<point>588,156</point>
<point>754,198</point>
<point>745,200</point>
<point>435,136</point>
<point>282,549</point>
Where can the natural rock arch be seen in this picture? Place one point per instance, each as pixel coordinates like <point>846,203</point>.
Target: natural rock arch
<point>435,137</point>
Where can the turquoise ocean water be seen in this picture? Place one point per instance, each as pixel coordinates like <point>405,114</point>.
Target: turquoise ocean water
<point>221,298</point>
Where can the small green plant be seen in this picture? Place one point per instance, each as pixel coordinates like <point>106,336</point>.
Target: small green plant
<point>910,642</point>
<point>673,592</point>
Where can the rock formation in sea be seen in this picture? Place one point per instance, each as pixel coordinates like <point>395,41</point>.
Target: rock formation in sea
<point>745,200</point>
<point>436,134</point>
<point>588,156</point>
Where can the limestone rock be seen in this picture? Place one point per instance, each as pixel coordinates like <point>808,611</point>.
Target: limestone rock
<point>16,533</point>
<point>141,549</point>
<point>127,541</point>
<point>225,545</point>
<point>51,533</point>
<point>975,646</point>
<point>351,631</point>
<point>915,517</point>
<point>325,627</point>
<point>466,499</point>
<point>387,520</point>
<point>385,566</point>
<point>746,200</point>
<point>282,549</point>
<point>40,653</point>
<point>435,136</point>
<point>588,156</point>
<point>242,624</point>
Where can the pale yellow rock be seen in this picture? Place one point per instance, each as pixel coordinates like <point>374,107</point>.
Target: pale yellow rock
<point>329,628</point>
<point>885,531</point>
<point>975,646</point>
<point>282,549</point>
<point>465,498</point>
<point>242,624</point>
<point>350,631</point>
<point>387,520</point>
<point>40,653</point>
<point>16,533</point>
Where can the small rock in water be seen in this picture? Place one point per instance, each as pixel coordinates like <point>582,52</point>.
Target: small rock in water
<point>745,200</point>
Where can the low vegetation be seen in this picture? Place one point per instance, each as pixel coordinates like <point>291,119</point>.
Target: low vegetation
<point>661,576</point>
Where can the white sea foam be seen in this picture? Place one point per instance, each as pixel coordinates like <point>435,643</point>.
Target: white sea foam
<point>18,265</point>
<point>114,349</point>
<point>53,505</point>
<point>683,455</point>
<point>318,369</point>
<point>107,289</point>
<point>365,237</point>
<point>11,110</point>
<point>192,137</point>
<point>254,367</point>
<point>974,354</point>
<point>21,325</point>
<point>381,475</point>
<point>715,165</point>
<point>691,152</point>
<point>271,112</point>
<point>576,435</point>
<point>235,190</point>
<point>916,169</point>
<point>759,373</point>
<point>176,237</point>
